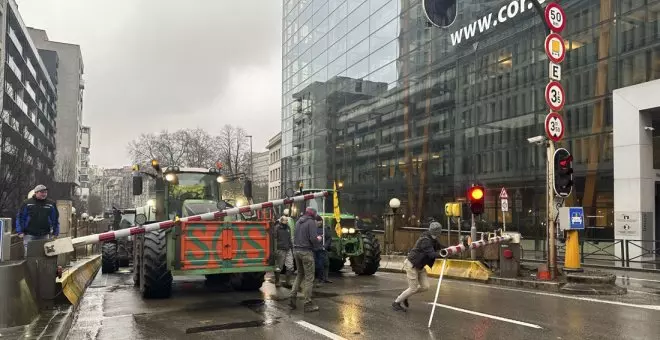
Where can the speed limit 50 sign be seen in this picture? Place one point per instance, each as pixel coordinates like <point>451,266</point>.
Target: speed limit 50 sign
<point>554,126</point>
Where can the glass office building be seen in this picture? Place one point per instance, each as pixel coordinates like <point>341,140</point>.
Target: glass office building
<point>375,96</point>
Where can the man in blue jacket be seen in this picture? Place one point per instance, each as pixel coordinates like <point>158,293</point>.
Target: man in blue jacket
<point>37,218</point>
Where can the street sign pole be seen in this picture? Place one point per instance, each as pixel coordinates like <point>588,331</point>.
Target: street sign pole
<point>504,204</point>
<point>555,97</point>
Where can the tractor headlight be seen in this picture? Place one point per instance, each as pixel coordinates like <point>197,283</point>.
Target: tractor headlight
<point>344,230</point>
<point>351,230</point>
<point>170,177</point>
<point>220,179</point>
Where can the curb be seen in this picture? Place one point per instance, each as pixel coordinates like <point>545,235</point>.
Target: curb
<point>601,266</point>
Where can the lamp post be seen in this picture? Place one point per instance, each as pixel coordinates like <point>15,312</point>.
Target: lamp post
<point>389,224</point>
<point>250,156</point>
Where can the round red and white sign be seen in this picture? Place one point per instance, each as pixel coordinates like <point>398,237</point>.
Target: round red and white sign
<point>554,48</point>
<point>554,96</point>
<point>554,126</point>
<point>555,17</point>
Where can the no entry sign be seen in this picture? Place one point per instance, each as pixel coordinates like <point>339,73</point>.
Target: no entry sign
<point>554,126</point>
<point>554,96</point>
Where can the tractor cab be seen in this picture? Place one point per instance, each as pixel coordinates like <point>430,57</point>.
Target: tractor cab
<point>325,208</point>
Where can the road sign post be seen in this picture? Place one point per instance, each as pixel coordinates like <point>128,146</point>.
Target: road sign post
<point>504,203</point>
<point>555,98</point>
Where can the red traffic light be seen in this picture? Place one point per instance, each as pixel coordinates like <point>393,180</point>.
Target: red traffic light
<point>476,193</point>
<point>476,196</point>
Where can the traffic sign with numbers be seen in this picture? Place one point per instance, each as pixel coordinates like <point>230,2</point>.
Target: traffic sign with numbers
<point>554,48</point>
<point>554,96</point>
<point>555,17</point>
<point>554,126</point>
<point>505,205</point>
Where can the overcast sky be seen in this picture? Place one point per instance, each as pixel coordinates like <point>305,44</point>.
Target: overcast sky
<point>166,64</point>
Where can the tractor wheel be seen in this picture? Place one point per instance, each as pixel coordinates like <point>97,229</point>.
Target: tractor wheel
<point>109,261</point>
<point>136,261</point>
<point>247,281</point>
<point>157,279</point>
<point>336,265</point>
<point>369,262</point>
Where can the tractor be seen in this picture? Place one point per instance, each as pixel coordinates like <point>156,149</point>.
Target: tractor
<point>357,244</point>
<point>235,252</point>
<point>118,253</point>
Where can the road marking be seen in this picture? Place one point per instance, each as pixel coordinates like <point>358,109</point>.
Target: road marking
<point>530,325</point>
<point>636,279</point>
<point>641,292</point>
<point>579,298</point>
<point>320,330</point>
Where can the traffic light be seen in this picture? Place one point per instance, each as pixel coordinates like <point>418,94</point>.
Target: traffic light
<point>476,195</point>
<point>563,163</point>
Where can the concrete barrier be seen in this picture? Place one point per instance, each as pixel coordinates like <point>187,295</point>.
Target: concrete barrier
<point>18,302</point>
<point>77,278</point>
<point>461,269</point>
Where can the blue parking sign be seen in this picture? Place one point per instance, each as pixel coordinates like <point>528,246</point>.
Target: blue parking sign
<point>576,218</point>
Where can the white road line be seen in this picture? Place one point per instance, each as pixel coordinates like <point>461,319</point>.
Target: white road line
<point>571,297</point>
<point>636,279</point>
<point>641,292</point>
<point>530,325</point>
<point>319,330</point>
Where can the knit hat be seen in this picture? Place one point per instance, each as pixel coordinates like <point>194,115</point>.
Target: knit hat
<point>435,228</point>
<point>39,187</point>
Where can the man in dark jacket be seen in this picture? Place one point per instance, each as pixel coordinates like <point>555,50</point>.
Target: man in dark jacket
<point>284,248</point>
<point>305,242</point>
<point>37,218</point>
<point>322,262</point>
<point>423,254</point>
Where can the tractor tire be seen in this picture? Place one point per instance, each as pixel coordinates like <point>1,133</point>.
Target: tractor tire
<point>247,281</point>
<point>157,278</point>
<point>109,260</point>
<point>336,265</point>
<point>369,262</point>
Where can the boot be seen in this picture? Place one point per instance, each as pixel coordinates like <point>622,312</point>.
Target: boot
<point>397,307</point>
<point>277,279</point>
<point>292,302</point>
<point>287,280</point>
<point>311,307</point>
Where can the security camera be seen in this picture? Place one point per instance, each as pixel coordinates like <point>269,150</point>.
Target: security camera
<point>536,140</point>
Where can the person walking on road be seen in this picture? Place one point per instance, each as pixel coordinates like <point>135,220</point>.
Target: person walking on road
<point>37,217</point>
<point>322,262</point>
<point>304,244</point>
<point>284,252</point>
<point>423,254</point>
<point>292,228</point>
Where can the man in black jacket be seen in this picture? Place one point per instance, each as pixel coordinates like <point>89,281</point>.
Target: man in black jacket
<point>37,218</point>
<point>284,248</point>
<point>305,242</point>
<point>423,254</point>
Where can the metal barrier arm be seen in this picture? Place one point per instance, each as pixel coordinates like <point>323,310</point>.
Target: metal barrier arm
<point>67,244</point>
<point>457,249</point>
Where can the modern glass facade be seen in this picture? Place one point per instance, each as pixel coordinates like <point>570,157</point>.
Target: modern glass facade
<point>375,96</point>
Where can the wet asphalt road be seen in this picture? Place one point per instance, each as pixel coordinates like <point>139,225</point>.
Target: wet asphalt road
<point>360,308</point>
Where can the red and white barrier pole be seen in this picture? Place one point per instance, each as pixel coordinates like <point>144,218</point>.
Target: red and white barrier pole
<point>457,249</point>
<point>113,235</point>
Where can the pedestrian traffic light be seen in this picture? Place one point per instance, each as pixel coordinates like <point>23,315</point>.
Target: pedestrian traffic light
<point>563,163</point>
<point>476,195</point>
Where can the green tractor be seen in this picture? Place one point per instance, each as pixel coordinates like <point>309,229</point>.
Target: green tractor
<point>358,245</point>
<point>235,252</point>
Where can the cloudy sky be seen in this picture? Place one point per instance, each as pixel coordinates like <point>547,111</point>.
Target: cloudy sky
<point>159,64</point>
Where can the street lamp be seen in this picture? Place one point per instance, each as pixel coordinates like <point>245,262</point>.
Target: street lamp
<point>394,205</point>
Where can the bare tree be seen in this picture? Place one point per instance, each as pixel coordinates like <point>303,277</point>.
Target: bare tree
<point>233,149</point>
<point>168,148</point>
<point>200,149</point>
<point>65,170</point>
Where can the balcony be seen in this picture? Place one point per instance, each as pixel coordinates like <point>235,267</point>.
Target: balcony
<point>31,92</point>
<point>41,86</point>
<point>16,41</point>
<point>14,67</point>
<point>28,62</point>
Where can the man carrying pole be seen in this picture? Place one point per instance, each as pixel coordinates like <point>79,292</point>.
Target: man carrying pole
<point>423,254</point>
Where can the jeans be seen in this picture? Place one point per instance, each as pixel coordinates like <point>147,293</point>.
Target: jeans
<point>27,238</point>
<point>417,281</point>
<point>305,277</point>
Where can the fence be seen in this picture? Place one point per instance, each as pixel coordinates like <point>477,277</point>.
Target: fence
<point>615,253</point>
